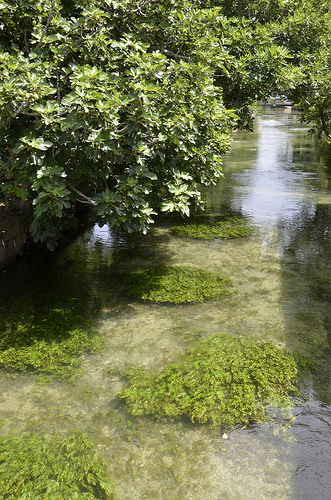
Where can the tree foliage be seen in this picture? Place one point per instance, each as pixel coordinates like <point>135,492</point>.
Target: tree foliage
<point>127,107</point>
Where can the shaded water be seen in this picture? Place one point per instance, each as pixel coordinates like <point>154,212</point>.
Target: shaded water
<point>278,179</point>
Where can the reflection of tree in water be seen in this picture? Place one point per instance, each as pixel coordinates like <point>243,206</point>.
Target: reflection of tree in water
<point>306,278</point>
<point>84,277</point>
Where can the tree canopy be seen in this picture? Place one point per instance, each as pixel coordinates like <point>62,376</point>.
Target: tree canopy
<point>127,107</point>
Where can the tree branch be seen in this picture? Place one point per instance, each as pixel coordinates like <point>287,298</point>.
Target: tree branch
<point>117,131</point>
<point>192,6</point>
<point>19,110</point>
<point>28,113</point>
<point>85,199</point>
<point>50,16</point>
<point>324,125</point>
<point>142,6</point>
<point>26,43</point>
<point>177,56</point>
<point>58,86</point>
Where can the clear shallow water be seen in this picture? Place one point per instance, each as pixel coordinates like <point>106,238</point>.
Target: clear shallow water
<point>278,179</point>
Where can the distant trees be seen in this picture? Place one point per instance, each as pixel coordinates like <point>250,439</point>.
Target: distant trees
<point>307,34</point>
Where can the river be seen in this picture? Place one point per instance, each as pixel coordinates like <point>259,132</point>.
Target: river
<point>278,178</point>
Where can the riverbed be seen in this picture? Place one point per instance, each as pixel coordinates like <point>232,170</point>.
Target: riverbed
<point>278,178</point>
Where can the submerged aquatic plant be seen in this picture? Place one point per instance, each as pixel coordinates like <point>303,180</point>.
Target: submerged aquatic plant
<point>224,380</point>
<point>48,341</point>
<point>34,468</point>
<point>226,227</point>
<point>176,284</point>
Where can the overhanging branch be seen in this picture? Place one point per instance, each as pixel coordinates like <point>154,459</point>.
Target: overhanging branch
<point>85,199</point>
<point>177,56</point>
<point>324,125</point>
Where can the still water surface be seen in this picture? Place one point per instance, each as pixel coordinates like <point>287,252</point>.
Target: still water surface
<point>278,179</point>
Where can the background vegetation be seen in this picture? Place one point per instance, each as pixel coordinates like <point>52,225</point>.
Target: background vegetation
<point>128,107</point>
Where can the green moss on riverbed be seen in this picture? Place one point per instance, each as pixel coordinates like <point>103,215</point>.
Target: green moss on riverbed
<point>226,227</point>
<point>33,468</point>
<point>46,340</point>
<point>224,380</point>
<point>176,285</point>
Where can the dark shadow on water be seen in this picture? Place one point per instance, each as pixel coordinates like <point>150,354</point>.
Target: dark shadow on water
<point>49,299</point>
<point>307,315</point>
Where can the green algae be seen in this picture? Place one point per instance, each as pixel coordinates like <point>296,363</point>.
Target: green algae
<point>46,340</point>
<point>225,380</point>
<point>226,227</point>
<point>176,284</point>
<point>44,468</point>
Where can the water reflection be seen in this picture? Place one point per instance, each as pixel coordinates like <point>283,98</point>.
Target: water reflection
<point>282,184</point>
<point>281,179</point>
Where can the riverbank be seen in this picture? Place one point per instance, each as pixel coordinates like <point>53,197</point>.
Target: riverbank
<point>12,237</point>
<point>277,101</point>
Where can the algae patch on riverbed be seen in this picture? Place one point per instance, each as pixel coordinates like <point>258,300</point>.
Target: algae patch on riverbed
<point>224,380</point>
<point>48,341</point>
<point>37,468</point>
<point>208,228</point>
<point>176,284</point>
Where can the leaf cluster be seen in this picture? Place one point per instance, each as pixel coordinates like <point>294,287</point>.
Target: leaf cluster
<point>34,468</point>
<point>176,284</point>
<point>95,110</point>
<point>224,380</point>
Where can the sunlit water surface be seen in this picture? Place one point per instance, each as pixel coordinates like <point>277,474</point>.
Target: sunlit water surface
<point>278,179</point>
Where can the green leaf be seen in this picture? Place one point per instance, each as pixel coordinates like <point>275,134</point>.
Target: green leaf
<point>37,143</point>
<point>168,206</point>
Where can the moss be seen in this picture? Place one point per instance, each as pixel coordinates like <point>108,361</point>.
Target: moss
<point>48,342</point>
<point>224,380</point>
<point>226,227</point>
<point>33,468</point>
<point>176,284</point>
